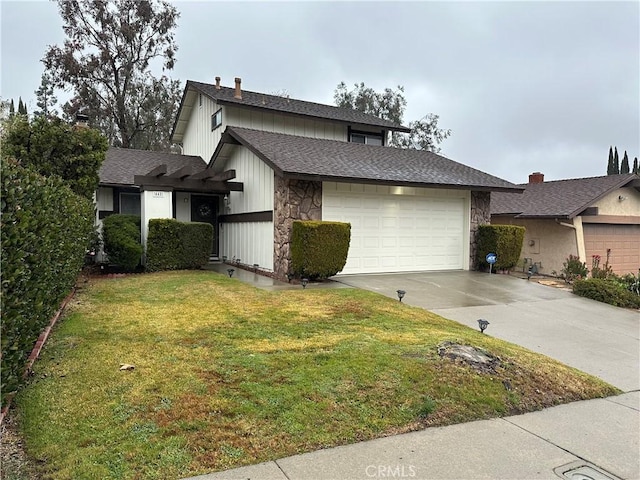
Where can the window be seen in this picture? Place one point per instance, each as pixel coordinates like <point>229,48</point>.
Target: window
<point>130,203</point>
<point>216,120</point>
<point>367,138</point>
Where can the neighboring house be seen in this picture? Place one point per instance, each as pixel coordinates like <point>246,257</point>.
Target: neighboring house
<point>582,216</point>
<point>271,160</point>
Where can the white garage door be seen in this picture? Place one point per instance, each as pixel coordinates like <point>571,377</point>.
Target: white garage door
<point>396,229</point>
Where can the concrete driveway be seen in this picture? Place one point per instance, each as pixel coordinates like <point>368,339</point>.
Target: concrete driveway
<point>594,337</point>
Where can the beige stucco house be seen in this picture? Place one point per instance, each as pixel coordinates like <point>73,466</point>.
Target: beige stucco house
<point>582,216</point>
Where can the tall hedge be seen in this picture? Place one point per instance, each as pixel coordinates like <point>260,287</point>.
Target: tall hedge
<point>45,230</point>
<point>121,237</point>
<point>503,240</point>
<point>174,245</point>
<point>319,249</point>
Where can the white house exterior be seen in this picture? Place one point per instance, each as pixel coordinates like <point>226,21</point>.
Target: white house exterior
<point>271,160</point>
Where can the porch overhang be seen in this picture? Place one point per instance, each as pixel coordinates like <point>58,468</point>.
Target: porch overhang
<point>205,181</point>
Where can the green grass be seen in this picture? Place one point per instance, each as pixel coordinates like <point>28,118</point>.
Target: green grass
<point>227,375</point>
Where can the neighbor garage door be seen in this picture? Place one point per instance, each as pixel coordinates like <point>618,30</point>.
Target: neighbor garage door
<point>623,240</point>
<point>396,229</point>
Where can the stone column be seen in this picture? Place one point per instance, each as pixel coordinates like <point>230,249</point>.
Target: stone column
<point>293,200</point>
<point>480,215</point>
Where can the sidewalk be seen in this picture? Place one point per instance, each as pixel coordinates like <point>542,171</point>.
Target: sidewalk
<point>603,433</point>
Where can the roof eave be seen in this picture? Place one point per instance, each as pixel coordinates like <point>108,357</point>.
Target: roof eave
<point>626,180</point>
<point>392,182</point>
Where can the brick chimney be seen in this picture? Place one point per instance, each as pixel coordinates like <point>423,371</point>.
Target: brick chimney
<point>536,177</point>
<point>238,93</point>
<point>217,83</point>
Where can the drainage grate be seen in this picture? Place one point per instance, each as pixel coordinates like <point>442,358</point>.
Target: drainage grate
<point>580,470</point>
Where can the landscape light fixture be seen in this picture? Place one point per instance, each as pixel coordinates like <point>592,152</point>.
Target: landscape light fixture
<point>255,267</point>
<point>401,294</point>
<point>304,283</point>
<point>238,261</point>
<point>483,324</point>
<point>289,277</point>
<point>224,258</point>
<point>230,271</point>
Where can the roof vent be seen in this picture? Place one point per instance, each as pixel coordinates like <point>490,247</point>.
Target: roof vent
<point>238,93</point>
<point>536,177</point>
<point>217,83</point>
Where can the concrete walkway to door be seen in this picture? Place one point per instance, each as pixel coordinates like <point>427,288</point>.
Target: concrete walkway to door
<point>594,337</point>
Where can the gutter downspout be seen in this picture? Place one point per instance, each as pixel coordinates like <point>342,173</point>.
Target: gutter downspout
<point>577,226</point>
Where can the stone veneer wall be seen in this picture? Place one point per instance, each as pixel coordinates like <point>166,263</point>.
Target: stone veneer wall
<point>293,200</point>
<point>480,215</point>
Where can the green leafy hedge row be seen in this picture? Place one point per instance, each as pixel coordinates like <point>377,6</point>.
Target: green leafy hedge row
<point>121,237</point>
<point>319,249</point>
<point>503,240</point>
<point>174,245</point>
<point>607,291</point>
<point>45,230</point>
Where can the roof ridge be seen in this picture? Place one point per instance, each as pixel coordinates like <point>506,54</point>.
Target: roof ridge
<point>203,87</point>
<point>546,182</point>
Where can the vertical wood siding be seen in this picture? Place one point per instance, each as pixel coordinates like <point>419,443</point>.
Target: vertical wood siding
<point>199,139</point>
<point>252,242</point>
<point>282,123</point>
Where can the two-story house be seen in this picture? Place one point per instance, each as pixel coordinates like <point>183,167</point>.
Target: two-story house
<point>253,163</point>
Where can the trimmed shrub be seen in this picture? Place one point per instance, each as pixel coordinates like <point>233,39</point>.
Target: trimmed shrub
<point>319,249</point>
<point>606,291</point>
<point>196,239</point>
<point>174,245</point>
<point>45,230</point>
<point>503,240</point>
<point>121,236</point>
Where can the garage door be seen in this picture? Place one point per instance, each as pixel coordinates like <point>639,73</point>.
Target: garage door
<point>623,240</point>
<point>396,229</point>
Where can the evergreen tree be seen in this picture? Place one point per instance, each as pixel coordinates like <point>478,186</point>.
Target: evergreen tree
<point>616,162</point>
<point>610,164</point>
<point>624,168</point>
<point>22,107</point>
<point>12,109</point>
<point>636,168</point>
<point>45,99</point>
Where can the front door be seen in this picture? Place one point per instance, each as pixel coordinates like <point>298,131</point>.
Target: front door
<point>205,209</point>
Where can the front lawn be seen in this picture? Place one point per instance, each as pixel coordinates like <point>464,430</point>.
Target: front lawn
<point>227,375</point>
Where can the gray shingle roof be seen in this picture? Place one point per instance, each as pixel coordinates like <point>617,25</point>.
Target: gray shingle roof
<point>121,164</point>
<point>560,198</point>
<point>290,105</point>
<point>332,160</point>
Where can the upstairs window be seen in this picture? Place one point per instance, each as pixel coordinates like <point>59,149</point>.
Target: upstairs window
<point>366,138</point>
<point>216,120</point>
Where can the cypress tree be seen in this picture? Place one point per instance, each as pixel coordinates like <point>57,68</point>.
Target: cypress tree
<point>636,168</point>
<point>22,107</point>
<point>610,164</point>
<point>12,109</point>
<point>624,168</point>
<point>616,162</point>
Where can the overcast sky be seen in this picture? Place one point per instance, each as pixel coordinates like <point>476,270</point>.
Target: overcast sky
<point>524,86</point>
